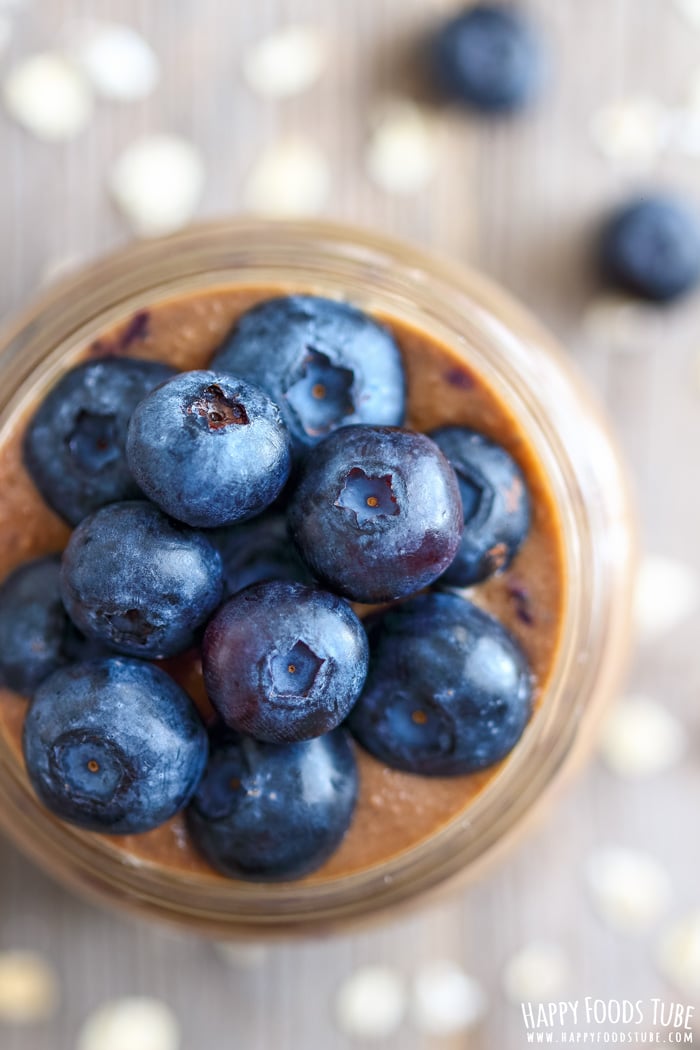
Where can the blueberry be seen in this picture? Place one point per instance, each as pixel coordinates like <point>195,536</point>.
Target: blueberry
<point>257,551</point>
<point>324,362</point>
<point>74,444</point>
<point>283,662</point>
<point>376,513</point>
<point>36,634</point>
<point>448,689</point>
<point>270,812</point>
<point>114,745</point>
<point>138,581</point>
<point>488,57</point>
<point>651,248</point>
<point>208,448</point>
<point>495,504</point>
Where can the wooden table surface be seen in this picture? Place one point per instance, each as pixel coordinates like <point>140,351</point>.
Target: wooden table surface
<point>519,200</point>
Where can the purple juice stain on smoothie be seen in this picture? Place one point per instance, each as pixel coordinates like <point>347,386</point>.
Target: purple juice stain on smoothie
<point>522,602</point>
<point>460,378</point>
<point>137,329</point>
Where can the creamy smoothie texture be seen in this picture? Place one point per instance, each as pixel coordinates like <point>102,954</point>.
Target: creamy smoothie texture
<point>395,810</point>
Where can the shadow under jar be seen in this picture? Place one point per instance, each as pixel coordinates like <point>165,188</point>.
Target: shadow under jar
<point>472,357</point>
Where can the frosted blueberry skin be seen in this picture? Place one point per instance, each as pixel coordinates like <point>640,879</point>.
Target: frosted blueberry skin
<point>448,690</point>
<point>114,746</point>
<point>36,633</point>
<point>283,662</point>
<point>138,581</point>
<point>257,551</point>
<point>488,57</point>
<point>495,505</point>
<point>74,444</point>
<point>376,514</point>
<point>651,248</point>
<point>209,449</point>
<point>273,812</point>
<point>325,363</point>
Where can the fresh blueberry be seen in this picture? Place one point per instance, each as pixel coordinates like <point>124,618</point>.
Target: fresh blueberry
<point>271,812</point>
<point>448,689</point>
<point>208,448</point>
<point>36,634</point>
<point>376,513</point>
<point>488,57</point>
<point>651,248</point>
<point>74,444</point>
<point>257,551</point>
<point>114,746</point>
<point>324,362</point>
<point>138,581</point>
<point>494,502</point>
<point>283,662</point>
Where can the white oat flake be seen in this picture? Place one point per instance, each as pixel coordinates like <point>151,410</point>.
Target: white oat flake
<point>290,178</point>
<point>630,131</point>
<point>402,152</point>
<point>537,972</point>
<point>285,63</point>
<point>371,1003</point>
<point>157,182</point>
<point>49,97</point>
<point>446,1000</point>
<point>679,954</point>
<point>639,738</point>
<point>117,61</point>
<point>28,987</point>
<point>137,1023</point>
<point>666,594</point>
<point>630,889</point>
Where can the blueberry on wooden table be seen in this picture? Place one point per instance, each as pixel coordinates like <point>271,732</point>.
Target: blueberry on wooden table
<point>210,449</point>
<point>448,689</point>
<point>256,551</point>
<point>651,248</point>
<point>271,812</point>
<point>36,634</point>
<point>324,362</point>
<point>114,746</point>
<point>376,513</point>
<point>284,662</point>
<point>495,505</point>
<point>74,444</point>
<point>488,57</point>
<point>138,581</point>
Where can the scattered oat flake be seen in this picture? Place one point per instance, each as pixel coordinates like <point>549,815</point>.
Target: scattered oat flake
<point>666,594</point>
<point>371,1004</point>
<point>679,953</point>
<point>632,130</point>
<point>49,97</point>
<point>445,1000</point>
<point>690,9</point>
<point>117,61</point>
<point>290,178</point>
<point>402,152</point>
<point>285,63</point>
<point>639,738</point>
<point>537,972</point>
<point>240,955</point>
<point>157,183</point>
<point>28,988</point>
<point>630,889</point>
<point>138,1023</point>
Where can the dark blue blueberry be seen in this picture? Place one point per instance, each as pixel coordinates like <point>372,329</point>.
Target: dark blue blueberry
<point>36,634</point>
<point>284,662</point>
<point>257,551</point>
<point>114,745</point>
<point>138,581</point>
<point>271,812</point>
<point>209,449</point>
<point>495,504</point>
<point>74,444</point>
<point>488,57</point>
<point>651,248</point>
<point>324,362</point>
<point>448,690</point>
<point>376,513</point>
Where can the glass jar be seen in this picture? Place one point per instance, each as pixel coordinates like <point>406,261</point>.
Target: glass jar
<point>531,375</point>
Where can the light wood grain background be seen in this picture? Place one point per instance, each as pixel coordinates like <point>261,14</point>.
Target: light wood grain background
<point>520,201</point>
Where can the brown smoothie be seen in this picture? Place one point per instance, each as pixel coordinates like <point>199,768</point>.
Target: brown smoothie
<point>396,811</point>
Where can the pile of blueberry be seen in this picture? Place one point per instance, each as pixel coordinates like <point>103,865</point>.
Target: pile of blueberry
<point>240,511</point>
